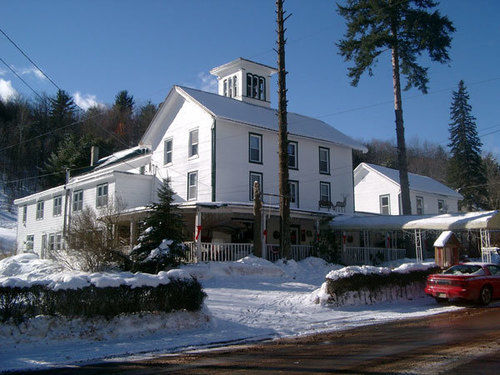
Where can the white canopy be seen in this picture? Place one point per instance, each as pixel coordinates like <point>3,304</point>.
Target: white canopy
<point>459,221</point>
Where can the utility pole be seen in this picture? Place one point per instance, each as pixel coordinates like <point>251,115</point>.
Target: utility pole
<point>284,189</point>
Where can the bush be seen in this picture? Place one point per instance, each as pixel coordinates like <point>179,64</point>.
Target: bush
<point>19,303</point>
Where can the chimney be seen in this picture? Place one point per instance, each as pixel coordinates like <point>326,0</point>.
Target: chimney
<point>94,155</point>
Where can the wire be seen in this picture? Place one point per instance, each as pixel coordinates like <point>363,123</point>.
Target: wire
<point>30,60</point>
<point>18,76</point>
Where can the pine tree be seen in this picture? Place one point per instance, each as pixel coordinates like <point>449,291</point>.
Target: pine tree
<point>406,28</point>
<point>163,223</point>
<point>466,170</point>
<point>123,111</point>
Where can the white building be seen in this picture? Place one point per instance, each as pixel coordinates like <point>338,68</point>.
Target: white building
<point>212,147</point>
<point>377,190</point>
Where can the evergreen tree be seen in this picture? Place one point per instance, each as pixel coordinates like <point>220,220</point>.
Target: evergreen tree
<point>123,111</point>
<point>466,170</point>
<point>406,28</point>
<point>160,245</point>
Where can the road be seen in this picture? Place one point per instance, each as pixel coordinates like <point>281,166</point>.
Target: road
<point>460,342</point>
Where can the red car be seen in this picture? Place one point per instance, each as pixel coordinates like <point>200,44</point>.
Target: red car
<point>477,282</point>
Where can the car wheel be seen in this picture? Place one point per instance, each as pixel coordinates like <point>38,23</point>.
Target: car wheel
<point>440,300</point>
<point>485,295</point>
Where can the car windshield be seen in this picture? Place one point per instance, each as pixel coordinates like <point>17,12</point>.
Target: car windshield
<point>465,269</point>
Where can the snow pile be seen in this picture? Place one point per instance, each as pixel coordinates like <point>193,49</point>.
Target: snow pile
<point>248,266</point>
<point>163,250</point>
<point>25,270</point>
<point>8,223</point>
<point>367,270</point>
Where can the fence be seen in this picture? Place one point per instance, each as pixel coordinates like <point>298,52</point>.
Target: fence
<point>370,255</point>
<point>223,252</point>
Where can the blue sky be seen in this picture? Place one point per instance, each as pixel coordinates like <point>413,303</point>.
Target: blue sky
<point>93,49</point>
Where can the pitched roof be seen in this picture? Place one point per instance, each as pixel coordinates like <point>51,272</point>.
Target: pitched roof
<point>234,110</point>
<point>417,181</point>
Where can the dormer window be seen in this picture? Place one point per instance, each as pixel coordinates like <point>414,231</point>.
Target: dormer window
<point>256,87</point>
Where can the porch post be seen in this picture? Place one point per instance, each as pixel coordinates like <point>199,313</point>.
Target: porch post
<point>132,233</point>
<point>264,236</point>
<point>197,233</point>
<point>418,245</point>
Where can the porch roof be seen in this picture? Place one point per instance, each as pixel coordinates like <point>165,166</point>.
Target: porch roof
<point>247,207</point>
<point>458,221</point>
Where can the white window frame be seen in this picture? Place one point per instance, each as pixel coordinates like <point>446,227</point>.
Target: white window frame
<point>101,195</point>
<point>25,213</point>
<point>443,209</point>
<point>57,205</point>
<point>321,196</point>
<point>293,159</point>
<point>387,206</point>
<point>77,203</point>
<point>327,150</point>
<point>193,146</point>
<point>254,176</point>
<point>259,138</point>
<point>235,86</point>
<point>294,198</point>
<point>168,154</point>
<point>419,206</point>
<point>192,189</point>
<point>39,209</point>
<point>256,87</point>
<point>30,242</point>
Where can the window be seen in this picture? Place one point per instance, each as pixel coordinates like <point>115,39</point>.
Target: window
<point>25,213</point>
<point>441,206</point>
<point>256,87</point>
<point>294,193</point>
<point>293,159</point>
<point>192,191</point>
<point>55,241</point>
<point>254,176</point>
<point>102,195</point>
<point>385,204</point>
<point>235,87</point>
<point>167,151</point>
<point>142,169</point>
<point>255,148</point>
<point>324,192</point>
<point>39,210</point>
<point>44,246</point>
<point>30,240</point>
<point>56,210</point>
<point>324,160</point>
<point>78,200</point>
<point>230,87</point>
<point>420,206</point>
<point>193,143</point>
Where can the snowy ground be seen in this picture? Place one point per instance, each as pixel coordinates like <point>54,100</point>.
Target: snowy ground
<point>7,228</point>
<point>247,301</point>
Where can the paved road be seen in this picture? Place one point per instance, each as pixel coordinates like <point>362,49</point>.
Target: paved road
<point>461,342</point>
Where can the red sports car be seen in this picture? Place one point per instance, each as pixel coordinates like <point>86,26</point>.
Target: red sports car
<point>477,282</point>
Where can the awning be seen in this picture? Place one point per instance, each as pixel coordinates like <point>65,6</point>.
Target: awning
<point>459,221</point>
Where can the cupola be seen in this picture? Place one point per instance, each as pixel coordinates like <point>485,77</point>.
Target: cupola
<point>245,80</point>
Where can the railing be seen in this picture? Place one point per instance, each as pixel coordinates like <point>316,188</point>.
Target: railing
<point>487,253</point>
<point>218,252</point>
<point>370,255</point>
<point>223,252</point>
<point>298,252</point>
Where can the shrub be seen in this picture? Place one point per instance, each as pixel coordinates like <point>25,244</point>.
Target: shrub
<point>19,303</point>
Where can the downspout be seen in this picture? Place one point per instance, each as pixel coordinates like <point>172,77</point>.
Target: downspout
<point>214,155</point>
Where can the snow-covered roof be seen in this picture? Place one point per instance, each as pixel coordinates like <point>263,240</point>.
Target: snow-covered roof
<point>417,181</point>
<point>460,221</point>
<point>443,238</point>
<point>234,110</point>
<point>121,155</point>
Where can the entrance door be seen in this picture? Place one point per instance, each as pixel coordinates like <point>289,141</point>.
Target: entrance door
<point>294,235</point>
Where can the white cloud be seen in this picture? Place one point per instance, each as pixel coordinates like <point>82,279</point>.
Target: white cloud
<point>207,82</point>
<point>7,92</point>
<point>37,73</point>
<point>2,72</point>
<point>86,101</point>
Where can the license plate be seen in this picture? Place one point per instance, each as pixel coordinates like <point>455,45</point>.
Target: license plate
<point>442,295</point>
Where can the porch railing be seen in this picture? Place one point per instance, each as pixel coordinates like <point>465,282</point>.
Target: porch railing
<point>224,252</point>
<point>219,252</point>
<point>370,255</point>
<point>487,253</point>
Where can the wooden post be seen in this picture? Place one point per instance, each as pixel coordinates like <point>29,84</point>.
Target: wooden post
<point>284,188</point>
<point>257,220</point>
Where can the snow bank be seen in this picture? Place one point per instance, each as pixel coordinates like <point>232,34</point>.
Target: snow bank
<point>367,270</point>
<point>8,222</point>
<point>25,270</point>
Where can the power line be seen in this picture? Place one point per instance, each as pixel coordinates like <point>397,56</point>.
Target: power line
<point>29,59</point>
<point>18,76</point>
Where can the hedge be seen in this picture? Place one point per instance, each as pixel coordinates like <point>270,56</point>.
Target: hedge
<point>375,282</point>
<point>19,303</point>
